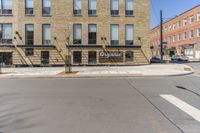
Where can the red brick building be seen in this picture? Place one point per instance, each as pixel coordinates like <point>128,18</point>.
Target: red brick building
<point>180,34</point>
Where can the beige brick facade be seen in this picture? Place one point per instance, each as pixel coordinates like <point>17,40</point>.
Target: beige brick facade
<point>62,20</point>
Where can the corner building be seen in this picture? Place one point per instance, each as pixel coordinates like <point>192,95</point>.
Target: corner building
<point>85,32</point>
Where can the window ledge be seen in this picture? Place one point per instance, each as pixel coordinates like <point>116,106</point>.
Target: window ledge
<point>115,15</point>
<point>46,15</point>
<point>130,15</point>
<point>77,15</point>
<point>92,15</point>
<point>29,15</point>
<point>6,15</point>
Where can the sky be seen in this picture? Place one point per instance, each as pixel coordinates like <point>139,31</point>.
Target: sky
<point>171,8</point>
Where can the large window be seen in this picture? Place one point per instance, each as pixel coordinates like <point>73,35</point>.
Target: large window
<point>129,7</point>
<point>129,34</point>
<point>46,9</point>
<point>45,57</point>
<point>29,7</point>
<point>29,39</point>
<point>77,7</point>
<point>77,35</point>
<point>114,7</point>
<point>92,7</point>
<point>129,56</point>
<point>115,34</point>
<point>92,57</point>
<point>92,34</point>
<point>6,33</point>
<point>184,22</point>
<point>6,7</point>
<point>77,57</point>
<point>46,34</point>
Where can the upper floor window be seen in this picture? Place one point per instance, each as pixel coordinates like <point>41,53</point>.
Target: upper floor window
<point>46,34</point>
<point>184,22</point>
<point>191,33</point>
<point>29,39</point>
<point>6,7</point>
<point>179,24</point>
<point>77,35</point>
<point>173,38</point>
<point>92,7</point>
<point>198,16</point>
<point>179,36</point>
<point>185,36</point>
<point>174,26</point>
<point>129,34</point>
<point>198,32</point>
<point>115,34</point>
<point>191,19</point>
<point>92,34</point>
<point>46,10</point>
<point>114,7</point>
<point>29,7</point>
<point>6,33</point>
<point>129,7</point>
<point>77,7</point>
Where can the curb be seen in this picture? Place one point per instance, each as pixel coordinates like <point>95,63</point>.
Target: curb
<point>95,76</point>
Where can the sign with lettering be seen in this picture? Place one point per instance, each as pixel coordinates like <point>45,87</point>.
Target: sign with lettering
<point>110,56</point>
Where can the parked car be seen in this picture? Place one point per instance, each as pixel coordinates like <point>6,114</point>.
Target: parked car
<point>179,58</point>
<point>156,59</point>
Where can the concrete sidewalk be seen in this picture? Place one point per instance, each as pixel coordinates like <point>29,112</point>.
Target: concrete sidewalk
<point>99,71</point>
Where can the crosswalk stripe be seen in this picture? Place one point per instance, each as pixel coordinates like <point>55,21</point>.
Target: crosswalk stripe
<point>190,110</point>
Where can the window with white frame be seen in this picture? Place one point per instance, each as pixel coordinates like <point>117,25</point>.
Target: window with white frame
<point>191,19</point>
<point>174,26</point>
<point>5,7</point>
<point>5,33</point>
<point>198,16</point>
<point>184,22</point>
<point>179,24</point>
<point>114,7</point>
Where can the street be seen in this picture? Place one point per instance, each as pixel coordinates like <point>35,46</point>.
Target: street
<point>101,105</point>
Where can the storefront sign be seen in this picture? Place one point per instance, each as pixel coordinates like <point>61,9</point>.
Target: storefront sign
<point>110,57</point>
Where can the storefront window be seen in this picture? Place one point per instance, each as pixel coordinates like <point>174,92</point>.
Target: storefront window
<point>92,57</point>
<point>77,57</point>
<point>129,56</point>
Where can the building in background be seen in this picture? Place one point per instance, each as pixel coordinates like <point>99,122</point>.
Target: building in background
<point>181,35</point>
<point>93,32</point>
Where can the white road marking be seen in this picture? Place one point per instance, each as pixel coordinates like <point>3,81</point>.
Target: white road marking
<point>190,110</point>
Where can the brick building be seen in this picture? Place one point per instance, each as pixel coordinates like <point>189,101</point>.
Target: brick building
<point>93,32</point>
<point>182,35</point>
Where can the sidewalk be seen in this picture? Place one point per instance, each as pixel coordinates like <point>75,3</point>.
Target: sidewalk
<point>99,71</point>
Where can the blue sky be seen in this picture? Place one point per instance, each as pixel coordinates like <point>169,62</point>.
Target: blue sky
<point>170,8</point>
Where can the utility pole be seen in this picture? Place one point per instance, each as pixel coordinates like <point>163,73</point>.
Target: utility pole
<point>161,35</point>
<point>68,57</point>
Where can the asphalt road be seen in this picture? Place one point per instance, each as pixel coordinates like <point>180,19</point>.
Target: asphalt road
<point>100,105</point>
